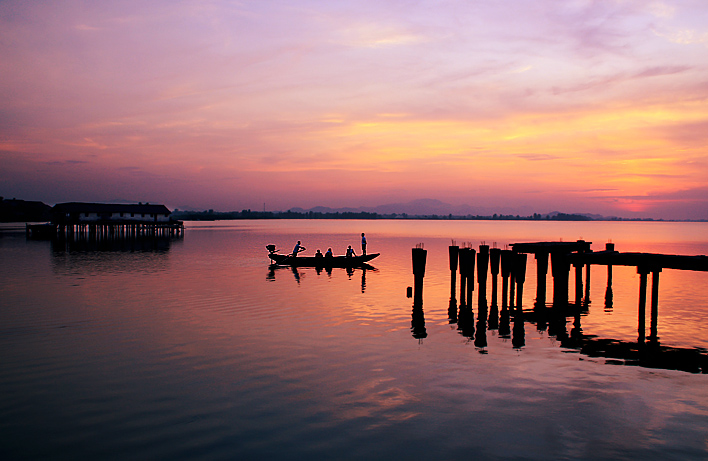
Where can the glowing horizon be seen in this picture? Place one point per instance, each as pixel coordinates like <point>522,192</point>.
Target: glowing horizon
<point>585,107</point>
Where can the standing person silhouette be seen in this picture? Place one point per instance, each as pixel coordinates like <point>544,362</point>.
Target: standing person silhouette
<point>363,244</point>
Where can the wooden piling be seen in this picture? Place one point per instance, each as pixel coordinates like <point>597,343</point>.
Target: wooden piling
<point>653,332</point>
<point>520,275</point>
<point>506,271</point>
<point>560,270</point>
<point>494,257</point>
<point>463,255</point>
<point>512,279</point>
<point>482,265</point>
<point>470,275</point>
<point>453,251</point>
<point>578,282</point>
<point>482,268</point>
<point>641,325</point>
<point>541,273</point>
<point>419,256</point>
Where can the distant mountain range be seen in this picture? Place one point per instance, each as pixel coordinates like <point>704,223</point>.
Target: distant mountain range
<point>430,207</point>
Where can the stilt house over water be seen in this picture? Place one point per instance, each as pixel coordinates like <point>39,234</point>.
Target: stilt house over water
<point>104,213</point>
<point>108,219</point>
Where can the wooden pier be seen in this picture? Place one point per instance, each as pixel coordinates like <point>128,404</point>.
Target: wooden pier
<point>578,254</point>
<point>565,256</point>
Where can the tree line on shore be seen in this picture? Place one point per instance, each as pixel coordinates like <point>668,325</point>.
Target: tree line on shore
<point>211,215</point>
<point>14,210</point>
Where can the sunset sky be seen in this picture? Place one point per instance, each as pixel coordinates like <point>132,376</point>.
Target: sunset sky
<point>576,105</point>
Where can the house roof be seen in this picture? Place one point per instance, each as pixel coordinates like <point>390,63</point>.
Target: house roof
<point>79,207</point>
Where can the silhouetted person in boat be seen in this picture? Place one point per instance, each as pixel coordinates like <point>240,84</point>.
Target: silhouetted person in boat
<point>298,248</point>
<point>319,254</point>
<point>328,254</point>
<point>363,244</point>
<point>350,252</point>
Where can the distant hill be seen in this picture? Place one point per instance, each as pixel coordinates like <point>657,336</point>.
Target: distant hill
<point>433,207</point>
<point>420,207</point>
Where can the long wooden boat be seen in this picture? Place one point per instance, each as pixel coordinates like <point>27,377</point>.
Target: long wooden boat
<point>311,261</point>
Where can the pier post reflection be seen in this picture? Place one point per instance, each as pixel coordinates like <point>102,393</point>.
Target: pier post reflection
<point>452,311</point>
<point>504,325</point>
<point>518,338</point>
<point>465,321</point>
<point>480,337</point>
<point>418,321</point>
<point>557,322</point>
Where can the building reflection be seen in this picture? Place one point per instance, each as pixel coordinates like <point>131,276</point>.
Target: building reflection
<point>135,244</point>
<point>80,255</point>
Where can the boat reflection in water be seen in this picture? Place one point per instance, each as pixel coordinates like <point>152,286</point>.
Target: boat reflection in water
<point>297,271</point>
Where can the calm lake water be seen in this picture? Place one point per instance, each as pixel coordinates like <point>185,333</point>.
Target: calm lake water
<point>196,349</point>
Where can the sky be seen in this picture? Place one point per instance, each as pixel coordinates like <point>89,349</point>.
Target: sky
<point>544,105</point>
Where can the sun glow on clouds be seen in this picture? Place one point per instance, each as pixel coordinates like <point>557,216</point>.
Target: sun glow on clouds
<point>223,105</point>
